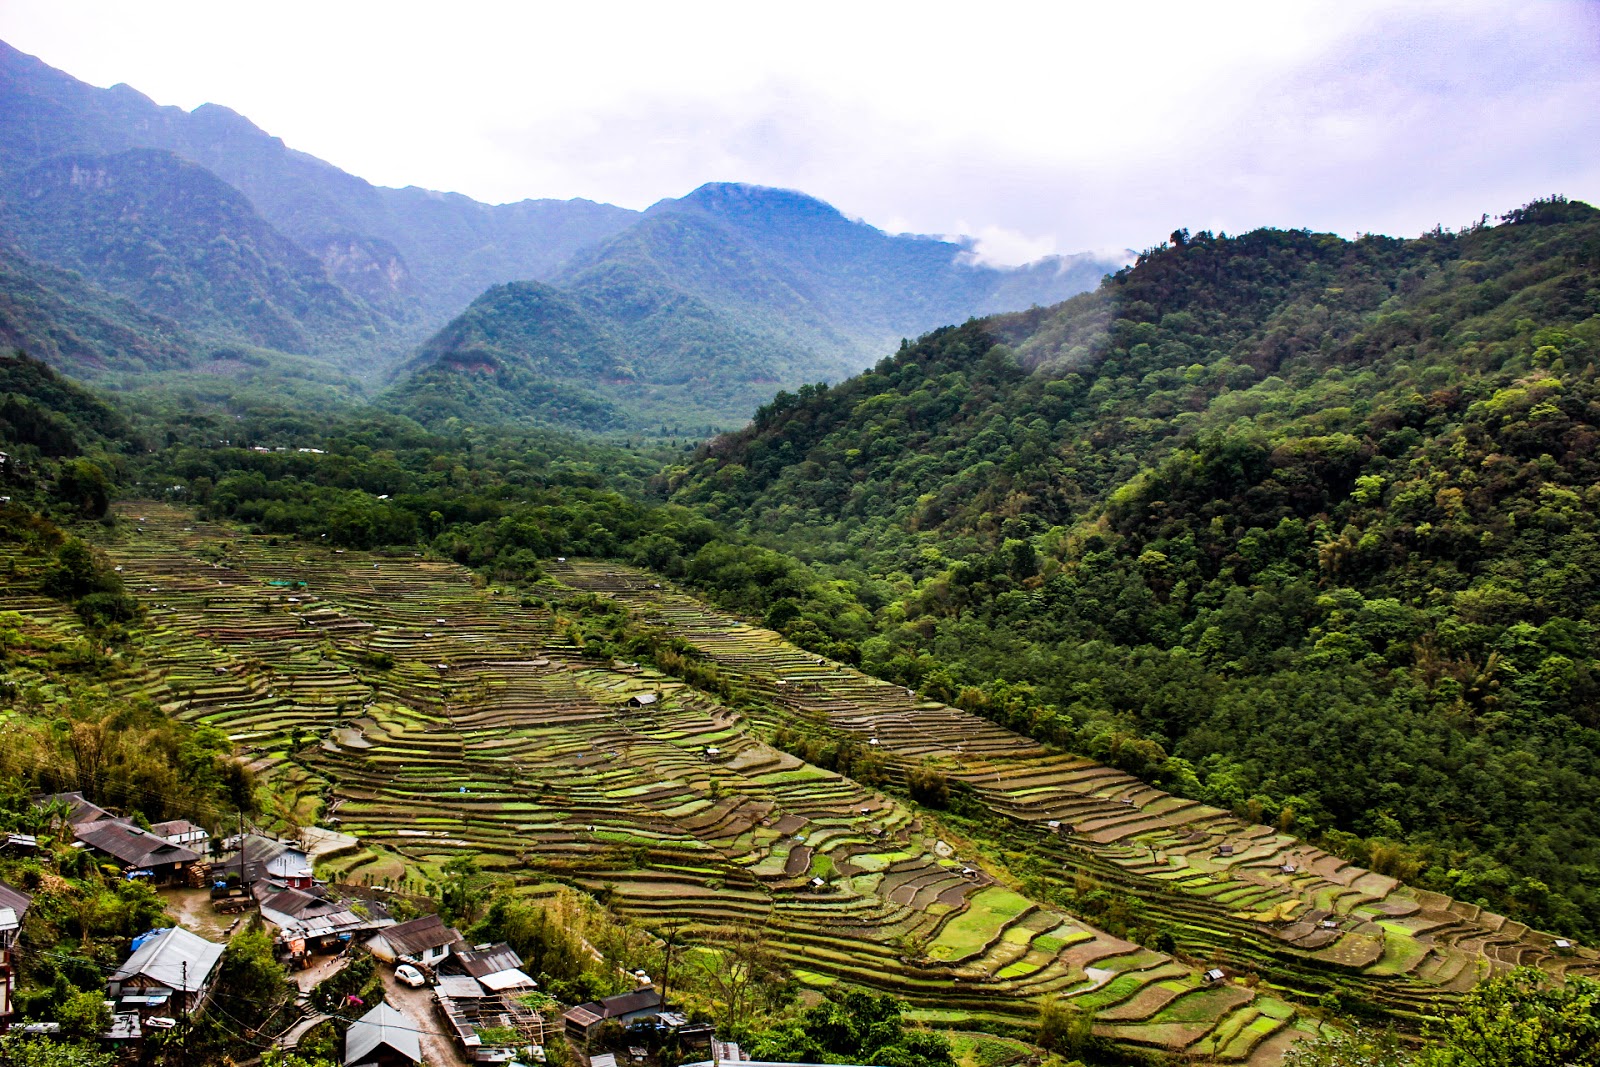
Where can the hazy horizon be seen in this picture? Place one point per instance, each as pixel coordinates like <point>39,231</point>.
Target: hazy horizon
<point>1034,132</point>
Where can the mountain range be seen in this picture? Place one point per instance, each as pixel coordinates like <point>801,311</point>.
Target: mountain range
<point>140,238</point>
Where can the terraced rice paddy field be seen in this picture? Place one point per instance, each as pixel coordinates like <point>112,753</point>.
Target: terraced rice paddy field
<point>438,718</point>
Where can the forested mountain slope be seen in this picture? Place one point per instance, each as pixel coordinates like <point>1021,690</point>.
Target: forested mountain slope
<point>718,298</point>
<point>1260,507</point>
<point>79,327</point>
<point>511,355</point>
<point>712,301</point>
<point>369,238</point>
<point>180,242</point>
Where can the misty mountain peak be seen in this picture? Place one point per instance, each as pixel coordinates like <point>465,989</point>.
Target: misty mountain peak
<point>735,201</point>
<point>127,94</point>
<point>217,119</point>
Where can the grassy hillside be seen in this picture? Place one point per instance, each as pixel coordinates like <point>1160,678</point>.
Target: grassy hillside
<point>1259,507</point>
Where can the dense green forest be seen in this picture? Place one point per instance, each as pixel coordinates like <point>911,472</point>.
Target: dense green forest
<point>1259,507</point>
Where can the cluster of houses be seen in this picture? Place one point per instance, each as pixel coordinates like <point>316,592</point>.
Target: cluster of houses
<point>173,972</point>
<point>476,988</point>
<point>167,852</point>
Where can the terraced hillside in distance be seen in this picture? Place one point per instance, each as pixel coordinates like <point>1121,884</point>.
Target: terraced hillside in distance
<point>436,716</point>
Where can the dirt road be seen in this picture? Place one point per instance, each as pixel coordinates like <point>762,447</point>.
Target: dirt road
<point>192,908</point>
<point>438,1047</point>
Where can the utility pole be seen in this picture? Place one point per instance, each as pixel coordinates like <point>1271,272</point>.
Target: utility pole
<point>183,1035</point>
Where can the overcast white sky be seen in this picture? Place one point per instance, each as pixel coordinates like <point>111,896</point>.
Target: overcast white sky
<point>1038,127</point>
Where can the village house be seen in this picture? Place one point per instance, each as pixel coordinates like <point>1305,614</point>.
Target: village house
<point>254,858</point>
<point>586,1019</point>
<point>79,810</point>
<point>170,973</point>
<point>185,833</point>
<point>13,909</point>
<point>496,967</point>
<point>383,1037</point>
<point>426,940</point>
<point>137,852</point>
<point>287,907</point>
<point>19,844</point>
<point>466,1007</point>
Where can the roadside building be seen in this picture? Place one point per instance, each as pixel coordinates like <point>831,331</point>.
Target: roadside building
<point>170,973</point>
<point>383,1037</point>
<point>13,910</point>
<point>323,934</point>
<point>137,852</point>
<point>585,1020</point>
<point>427,940</point>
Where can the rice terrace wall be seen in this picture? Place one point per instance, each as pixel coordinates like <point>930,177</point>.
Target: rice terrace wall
<point>439,718</point>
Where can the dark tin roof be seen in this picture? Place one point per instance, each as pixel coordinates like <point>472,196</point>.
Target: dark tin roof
<point>128,844</point>
<point>622,1004</point>
<point>419,935</point>
<point>481,963</point>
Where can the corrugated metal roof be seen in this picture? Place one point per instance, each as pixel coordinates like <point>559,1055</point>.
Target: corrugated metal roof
<point>383,1025</point>
<point>482,961</point>
<point>417,936</point>
<point>176,958</point>
<point>511,978</point>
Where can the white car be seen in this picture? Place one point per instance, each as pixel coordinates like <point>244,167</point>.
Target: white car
<point>410,976</point>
